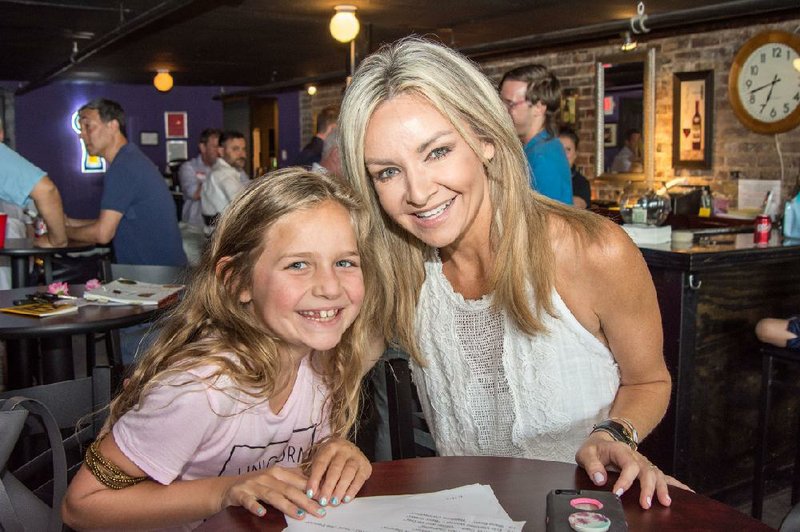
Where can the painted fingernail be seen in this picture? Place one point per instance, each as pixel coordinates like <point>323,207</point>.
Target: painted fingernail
<point>335,501</point>
<point>321,511</point>
<point>323,501</point>
<point>598,478</point>
<point>260,511</point>
<point>301,512</point>
<point>619,492</point>
<point>309,493</point>
<point>347,498</point>
<point>649,502</point>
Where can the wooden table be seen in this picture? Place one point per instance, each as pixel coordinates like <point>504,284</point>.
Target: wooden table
<point>521,486</point>
<point>55,334</point>
<point>20,250</point>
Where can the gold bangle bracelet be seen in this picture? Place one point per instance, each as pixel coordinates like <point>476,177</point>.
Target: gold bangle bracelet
<point>633,433</point>
<point>105,471</point>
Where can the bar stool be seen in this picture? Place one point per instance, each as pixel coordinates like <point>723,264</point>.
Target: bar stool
<point>769,355</point>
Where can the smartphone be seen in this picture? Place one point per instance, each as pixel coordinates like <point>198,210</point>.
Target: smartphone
<point>567,511</point>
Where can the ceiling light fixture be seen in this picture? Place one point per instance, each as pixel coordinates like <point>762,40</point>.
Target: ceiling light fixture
<point>344,25</point>
<point>628,43</point>
<point>312,90</point>
<point>163,81</point>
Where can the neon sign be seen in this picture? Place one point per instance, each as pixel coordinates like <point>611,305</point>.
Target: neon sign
<point>90,164</point>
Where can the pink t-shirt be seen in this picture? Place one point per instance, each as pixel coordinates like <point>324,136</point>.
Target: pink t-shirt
<point>192,430</point>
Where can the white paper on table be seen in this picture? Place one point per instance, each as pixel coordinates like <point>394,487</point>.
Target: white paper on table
<point>474,507</point>
<point>753,191</point>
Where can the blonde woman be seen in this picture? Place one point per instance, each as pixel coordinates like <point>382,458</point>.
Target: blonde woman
<point>254,374</point>
<point>533,327</point>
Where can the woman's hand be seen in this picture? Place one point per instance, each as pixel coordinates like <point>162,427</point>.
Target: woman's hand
<point>282,488</point>
<point>600,451</point>
<point>344,468</point>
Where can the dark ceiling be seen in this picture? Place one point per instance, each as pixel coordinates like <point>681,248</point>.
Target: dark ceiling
<point>262,42</point>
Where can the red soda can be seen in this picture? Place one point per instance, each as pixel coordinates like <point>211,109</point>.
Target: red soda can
<point>763,227</point>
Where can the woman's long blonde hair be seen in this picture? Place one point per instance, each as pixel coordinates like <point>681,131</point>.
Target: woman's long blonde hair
<point>211,327</point>
<point>519,234</point>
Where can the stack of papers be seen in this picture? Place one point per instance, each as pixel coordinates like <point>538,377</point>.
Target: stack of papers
<point>468,508</point>
<point>648,234</point>
<point>130,292</point>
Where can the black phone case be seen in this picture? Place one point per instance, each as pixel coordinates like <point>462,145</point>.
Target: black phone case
<point>559,509</point>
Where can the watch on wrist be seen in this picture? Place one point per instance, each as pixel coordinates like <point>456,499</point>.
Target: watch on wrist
<point>623,432</point>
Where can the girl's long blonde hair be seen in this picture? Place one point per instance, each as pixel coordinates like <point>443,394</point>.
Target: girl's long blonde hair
<point>454,86</point>
<point>211,327</point>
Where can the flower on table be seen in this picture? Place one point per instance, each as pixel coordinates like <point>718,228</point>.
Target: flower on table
<point>91,284</point>
<point>59,289</point>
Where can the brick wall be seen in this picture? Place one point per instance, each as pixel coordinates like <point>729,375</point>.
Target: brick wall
<point>735,148</point>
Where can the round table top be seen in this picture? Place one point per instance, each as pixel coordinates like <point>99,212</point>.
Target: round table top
<point>26,246</point>
<point>89,318</point>
<point>521,486</point>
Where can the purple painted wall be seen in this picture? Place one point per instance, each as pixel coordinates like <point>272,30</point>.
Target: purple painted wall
<point>288,125</point>
<point>44,134</point>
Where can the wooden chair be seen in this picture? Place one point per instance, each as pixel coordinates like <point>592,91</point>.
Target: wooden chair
<point>71,403</point>
<point>770,381</point>
<point>408,430</point>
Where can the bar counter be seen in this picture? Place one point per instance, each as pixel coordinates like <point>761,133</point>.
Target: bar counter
<point>711,294</point>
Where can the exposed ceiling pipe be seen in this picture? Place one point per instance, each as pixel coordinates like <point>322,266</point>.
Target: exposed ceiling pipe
<point>283,85</point>
<point>120,32</point>
<point>661,21</point>
<point>63,5</point>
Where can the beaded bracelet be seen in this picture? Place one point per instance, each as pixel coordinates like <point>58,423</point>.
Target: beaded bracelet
<point>106,471</point>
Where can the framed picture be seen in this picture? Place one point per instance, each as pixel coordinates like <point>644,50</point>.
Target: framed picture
<point>175,125</point>
<point>609,135</point>
<point>148,138</point>
<point>692,119</point>
<point>176,150</point>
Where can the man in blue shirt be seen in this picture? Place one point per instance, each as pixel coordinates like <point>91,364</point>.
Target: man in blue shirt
<point>137,213</point>
<point>20,180</point>
<point>532,95</point>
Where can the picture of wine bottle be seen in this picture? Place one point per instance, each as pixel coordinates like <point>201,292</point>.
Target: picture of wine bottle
<point>697,127</point>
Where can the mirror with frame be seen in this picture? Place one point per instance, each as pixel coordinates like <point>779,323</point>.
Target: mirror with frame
<point>625,101</point>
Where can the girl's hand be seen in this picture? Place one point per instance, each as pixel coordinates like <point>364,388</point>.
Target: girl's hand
<point>283,488</point>
<point>600,450</point>
<point>345,469</point>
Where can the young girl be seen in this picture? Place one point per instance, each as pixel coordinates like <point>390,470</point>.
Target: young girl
<point>254,372</point>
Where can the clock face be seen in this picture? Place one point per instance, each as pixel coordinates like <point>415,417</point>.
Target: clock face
<point>768,84</point>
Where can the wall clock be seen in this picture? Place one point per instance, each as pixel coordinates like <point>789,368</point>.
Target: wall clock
<point>764,84</point>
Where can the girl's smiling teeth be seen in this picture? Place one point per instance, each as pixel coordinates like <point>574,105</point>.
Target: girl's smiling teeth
<point>319,315</point>
<point>434,212</point>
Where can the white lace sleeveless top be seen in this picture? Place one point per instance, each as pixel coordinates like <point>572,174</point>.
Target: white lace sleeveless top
<point>489,389</point>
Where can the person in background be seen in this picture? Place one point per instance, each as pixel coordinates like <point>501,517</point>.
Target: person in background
<point>581,190</point>
<point>629,158</point>
<point>499,294</point>
<point>137,213</point>
<point>251,389</point>
<point>532,96</point>
<point>780,332</point>
<point>312,152</point>
<point>227,178</point>
<point>331,162</point>
<point>20,181</point>
<point>194,172</point>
